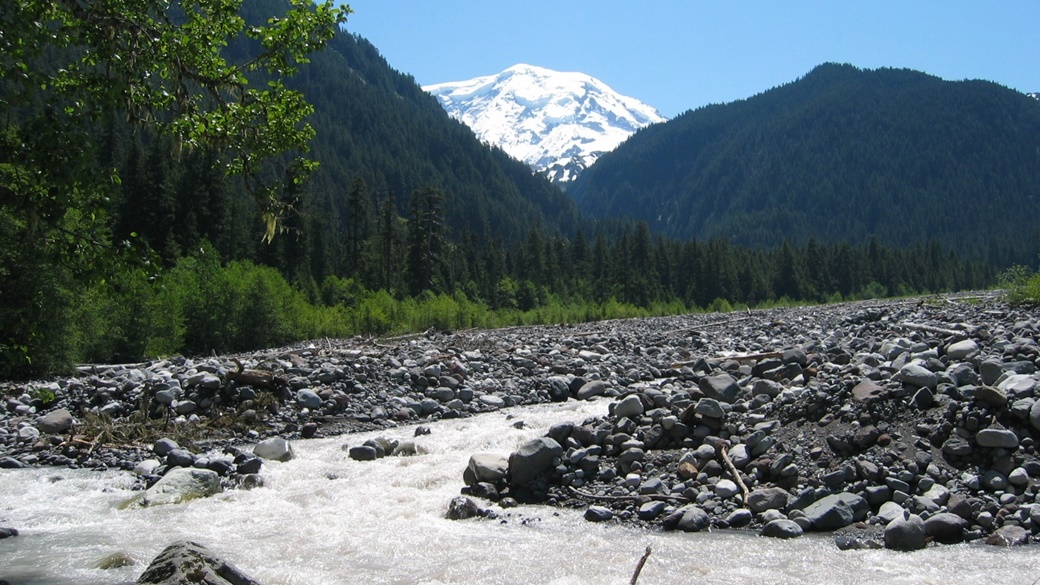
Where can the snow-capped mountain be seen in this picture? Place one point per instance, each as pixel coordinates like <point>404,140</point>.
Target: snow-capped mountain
<point>559,123</point>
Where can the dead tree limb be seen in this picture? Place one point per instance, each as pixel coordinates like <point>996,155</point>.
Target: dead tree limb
<point>938,330</point>
<point>255,378</point>
<point>639,567</point>
<point>653,497</point>
<point>720,450</point>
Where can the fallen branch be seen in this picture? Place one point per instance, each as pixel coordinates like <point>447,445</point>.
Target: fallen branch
<point>639,567</point>
<point>654,497</point>
<point>720,450</point>
<point>938,330</point>
<point>255,378</point>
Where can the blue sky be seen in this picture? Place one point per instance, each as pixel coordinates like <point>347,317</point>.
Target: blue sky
<point>683,54</point>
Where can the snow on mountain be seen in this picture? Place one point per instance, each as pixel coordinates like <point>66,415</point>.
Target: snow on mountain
<point>558,123</point>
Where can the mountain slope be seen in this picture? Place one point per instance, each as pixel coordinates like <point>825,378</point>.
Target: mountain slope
<point>559,123</point>
<point>377,124</point>
<point>841,154</point>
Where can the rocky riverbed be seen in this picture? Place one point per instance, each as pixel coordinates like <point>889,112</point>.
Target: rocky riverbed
<point>895,422</point>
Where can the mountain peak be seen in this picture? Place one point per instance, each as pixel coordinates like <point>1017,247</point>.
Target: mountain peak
<point>557,122</point>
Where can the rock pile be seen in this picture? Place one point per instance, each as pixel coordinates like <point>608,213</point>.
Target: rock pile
<point>919,418</point>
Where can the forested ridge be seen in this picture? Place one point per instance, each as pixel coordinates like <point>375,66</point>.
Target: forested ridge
<point>842,154</point>
<point>407,223</point>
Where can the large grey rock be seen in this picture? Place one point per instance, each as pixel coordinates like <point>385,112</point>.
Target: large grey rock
<point>945,527</point>
<point>710,408</point>
<point>1009,536</point>
<point>489,467</point>
<point>631,406</point>
<point>308,399</point>
<point>962,350</point>
<point>591,390</point>
<point>905,533</point>
<point>831,512</point>
<point>781,528</point>
<point>997,437</point>
<point>1034,415</point>
<point>532,460</point>
<point>693,519</point>
<point>598,514</point>
<point>190,562</point>
<point>180,485</point>
<point>763,499</point>
<point>463,508</point>
<point>721,387</point>
<point>726,489</point>
<point>917,375</point>
<point>274,449</point>
<point>55,422</point>
<point>889,511</point>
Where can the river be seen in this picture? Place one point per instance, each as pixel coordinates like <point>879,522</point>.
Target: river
<point>323,519</point>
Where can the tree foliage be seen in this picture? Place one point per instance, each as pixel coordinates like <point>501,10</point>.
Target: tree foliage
<point>72,73</point>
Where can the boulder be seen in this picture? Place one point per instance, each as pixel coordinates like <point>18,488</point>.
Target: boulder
<point>591,390</point>
<point>693,519</point>
<point>532,460</point>
<point>997,437</point>
<point>631,406</point>
<point>905,533</point>
<point>962,350</point>
<point>55,422</point>
<point>781,528</point>
<point>488,467</point>
<point>274,449</point>
<point>710,408</point>
<point>190,562</point>
<point>598,514</point>
<point>917,375</point>
<point>180,485</point>
<point>463,508</point>
<point>945,527</point>
<point>1008,536</point>
<point>763,499</point>
<point>834,511</point>
<point>308,399</point>
<point>721,387</point>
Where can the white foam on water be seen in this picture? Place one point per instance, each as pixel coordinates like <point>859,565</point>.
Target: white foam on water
<point>324,518</point>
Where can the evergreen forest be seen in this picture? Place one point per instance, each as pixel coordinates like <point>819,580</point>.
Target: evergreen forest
<point>842,154</point>
<point>410,223</point>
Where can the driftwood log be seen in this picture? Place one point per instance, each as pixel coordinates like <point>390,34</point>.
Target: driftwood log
<point>720,450</point>
<point>256,378</point>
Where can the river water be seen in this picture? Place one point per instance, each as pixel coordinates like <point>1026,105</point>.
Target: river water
<point>323,518</point>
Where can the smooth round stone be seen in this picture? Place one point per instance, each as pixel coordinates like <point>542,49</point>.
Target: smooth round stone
<point>996,437</point>
<point>185,407</point>
<point>492,400</point>
<point>781,528</point>
<point>598,514</point>
<point>162,447</point>
<point>726,489</point>
<point>28,433</point>
<point>630,407</point>
<point>308,399</point>
<point>180,458</point>
<point>147,467</point>
<point>1019,476</point>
